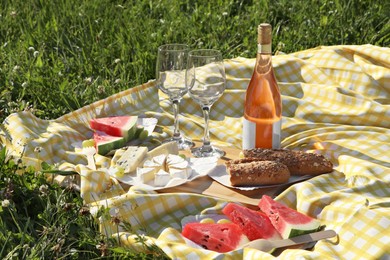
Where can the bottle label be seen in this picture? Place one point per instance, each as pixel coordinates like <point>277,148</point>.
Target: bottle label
<point>264,48</point>
<point>251,137</point>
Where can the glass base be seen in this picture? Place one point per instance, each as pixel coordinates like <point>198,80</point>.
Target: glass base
<point>182,142</point>
<point>207,151</point>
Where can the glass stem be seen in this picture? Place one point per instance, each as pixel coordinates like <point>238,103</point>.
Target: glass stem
<point>206,136</point>
<point>176,131</point>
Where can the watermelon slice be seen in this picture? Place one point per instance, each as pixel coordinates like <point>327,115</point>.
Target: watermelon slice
<point>121,126</point>
<point>287,221</point>
<point>104,143</point>
<point>216,237</point>
<point>254,224</point>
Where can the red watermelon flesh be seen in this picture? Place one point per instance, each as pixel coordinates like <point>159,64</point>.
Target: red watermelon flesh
<point>287,221</point>
<point>215,236</point>
<point>105,143</point>
<point>254,224</point>
<point>122,126</point>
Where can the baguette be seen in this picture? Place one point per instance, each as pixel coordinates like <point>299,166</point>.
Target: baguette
<point>298,162</point>
<point>252,172</point>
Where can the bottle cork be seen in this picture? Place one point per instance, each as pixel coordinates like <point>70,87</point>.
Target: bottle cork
<point>264,33</point>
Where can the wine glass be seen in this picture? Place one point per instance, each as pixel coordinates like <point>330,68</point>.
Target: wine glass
<point>170,70</point>
<point>206,82</point>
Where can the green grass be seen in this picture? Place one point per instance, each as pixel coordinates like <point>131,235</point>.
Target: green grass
<point>58,56</point>
<point>77,52</point>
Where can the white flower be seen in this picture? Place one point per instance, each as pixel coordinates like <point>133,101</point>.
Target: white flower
<point>31,48</point>
<point>5,203</point>
<point>16,68</point>
<point>38,149</point>
<point>117,60</point>
<point>24,85</point>
<point>36,53</point>
<point>43,189</point>
<point>100,89</point>
<point>88,80</point>
<point>224,13</point>
<point>117,81</point>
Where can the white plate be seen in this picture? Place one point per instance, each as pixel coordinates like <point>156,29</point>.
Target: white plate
<point>148,123</point>
<point>199,167</point>
<point>220,175</point>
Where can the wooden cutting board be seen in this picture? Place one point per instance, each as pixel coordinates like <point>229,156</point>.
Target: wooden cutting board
<point>207,186</point>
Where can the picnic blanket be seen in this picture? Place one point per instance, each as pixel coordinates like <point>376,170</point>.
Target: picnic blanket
<point>336,100</point>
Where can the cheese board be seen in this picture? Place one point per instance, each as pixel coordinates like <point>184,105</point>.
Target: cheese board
<point>205,185</point>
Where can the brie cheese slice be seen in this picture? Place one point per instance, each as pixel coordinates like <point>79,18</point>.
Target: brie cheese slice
<point>180,165</point>
<point>161,178</point>
<point>160,160</point>
<point>154,165</point>
<point>173,159</point>
<point>179,173</point>
<point>146,175</point>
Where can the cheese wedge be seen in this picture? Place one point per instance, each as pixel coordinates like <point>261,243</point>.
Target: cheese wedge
<point>154,165</point>
<point>161,178</point>
<point>166,148</point>
<point>161,161</point>
<point>146,175</point>
<point>132,158</point>
<point>179,173</point>
<point>173,159</point>
<point>180,165</point>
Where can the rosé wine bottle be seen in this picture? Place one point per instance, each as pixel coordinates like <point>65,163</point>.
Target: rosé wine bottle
<point>263,102</point>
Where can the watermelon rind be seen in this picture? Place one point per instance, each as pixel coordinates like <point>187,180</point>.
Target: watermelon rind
<point>287,221</point>
<point>105,143</point>
<point>129,130</point>
<point>298,230</point>
<point>131,133</point>
<point>138,130</point>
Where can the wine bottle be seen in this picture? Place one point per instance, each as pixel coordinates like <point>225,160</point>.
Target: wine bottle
<point>263,102</point>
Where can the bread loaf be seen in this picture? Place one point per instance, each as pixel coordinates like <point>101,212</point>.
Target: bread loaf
<point>298,162</point>
<point>252,172</point>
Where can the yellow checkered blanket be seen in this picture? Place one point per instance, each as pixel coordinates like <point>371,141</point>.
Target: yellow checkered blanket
<point>335,99</point>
